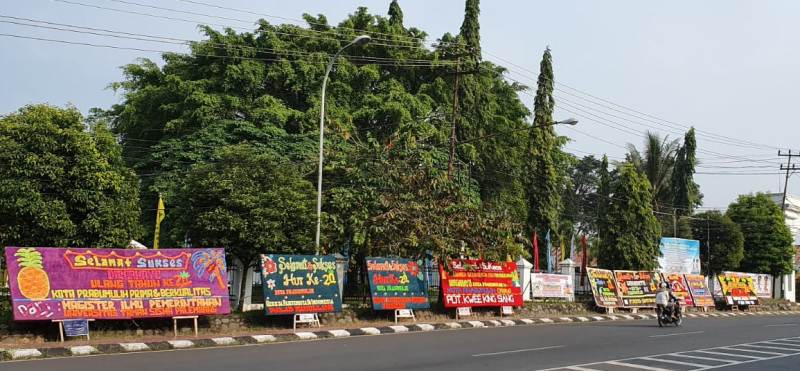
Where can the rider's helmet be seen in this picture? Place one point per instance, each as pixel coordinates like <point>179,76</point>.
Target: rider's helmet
<point>663,285</point>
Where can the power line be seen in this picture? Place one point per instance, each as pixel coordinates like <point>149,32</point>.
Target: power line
<point>177,41</point>
<point>161,51</point>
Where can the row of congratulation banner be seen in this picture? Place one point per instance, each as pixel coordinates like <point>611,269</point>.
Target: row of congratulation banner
<point>637,289</point>
<point>49,283</point>
<point>307,284</point>
<point>78,283</point>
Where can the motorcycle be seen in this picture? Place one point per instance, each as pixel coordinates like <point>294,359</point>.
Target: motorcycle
<point>667,317</point>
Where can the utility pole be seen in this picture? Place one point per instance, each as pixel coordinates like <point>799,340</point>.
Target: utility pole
<point>455,122</point>
<point>708,246</point>
<point>789,167</point>
<point>675,222</point>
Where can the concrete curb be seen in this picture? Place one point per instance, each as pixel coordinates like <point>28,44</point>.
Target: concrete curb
<point>87,350</point>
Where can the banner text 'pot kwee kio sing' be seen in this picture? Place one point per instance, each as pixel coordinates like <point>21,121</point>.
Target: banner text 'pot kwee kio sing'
<point>73,283</point>
<point>300,284</point>
<point>479,283</point>
<point>396,284</point>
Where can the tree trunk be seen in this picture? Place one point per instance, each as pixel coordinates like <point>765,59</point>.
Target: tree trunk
<point>245,270</point>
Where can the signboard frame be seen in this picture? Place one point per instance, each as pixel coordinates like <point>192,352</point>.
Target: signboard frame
<point>480,283</point>
<point>738,288</point>
<point>679,287</point>
<point>401,281</point>
<point>647,299</point>
<point>547,285</point>
<point>299,284</point>
<point>698,288</point>
<point>679,255</point>
<point>609,285</point>
<point>57,283</point>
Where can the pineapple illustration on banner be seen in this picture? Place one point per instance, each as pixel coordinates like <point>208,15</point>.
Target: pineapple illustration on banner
<point>32,280</point>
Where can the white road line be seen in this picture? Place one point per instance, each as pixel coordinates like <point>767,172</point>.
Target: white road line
<point>632,365</point>
<point>790,341</point>
<point>738,348</point>
<point>706,358</point>
<point>517,351</point>
<point>758,345</point>
<point>726,354</point>
<point>676,334</point>
<point>783,342</point>
<point>675,362</point>
<point>781,325</point>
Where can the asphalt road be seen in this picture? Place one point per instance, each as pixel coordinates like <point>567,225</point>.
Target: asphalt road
<point>618,345</point>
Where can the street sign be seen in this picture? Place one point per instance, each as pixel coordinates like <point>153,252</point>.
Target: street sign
<point>76,327</point>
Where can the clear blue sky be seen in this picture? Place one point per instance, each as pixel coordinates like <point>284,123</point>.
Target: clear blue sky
<point>726,67</point>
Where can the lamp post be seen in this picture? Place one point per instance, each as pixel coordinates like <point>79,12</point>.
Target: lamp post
<point>359,40</point>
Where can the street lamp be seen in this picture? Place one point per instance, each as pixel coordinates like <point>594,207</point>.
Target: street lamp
<point>358,41</point>
<point>570,121</point>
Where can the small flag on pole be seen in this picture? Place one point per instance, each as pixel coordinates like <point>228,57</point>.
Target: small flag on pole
<point>585,258</point>
<point>535,242</point>
<point>159,217</point>
<point>549,252</point>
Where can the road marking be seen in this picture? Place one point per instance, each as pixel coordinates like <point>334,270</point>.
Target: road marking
<point>700,359</point>
<point>706,358</point>
<point>758,345</point>
<point>726,354</point>
<point>517,351</point>
<point>781,325</point>
<point>675,362</point>
<point>744,348</point>
<point>676,334</point>
<point>631,365</point>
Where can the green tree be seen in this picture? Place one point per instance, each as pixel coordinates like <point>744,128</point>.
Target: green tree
<point>629,239</point>
<point>395,14</point>
<point>580,198</point>
<point>470,28</point>
<point>767,240</point>
<point>250,201</point>
<point>61,184</point>
<point>656,161</point>
<point>725,238</point>
<point>262,88</point>
<point>543,190</point>
<point>686,193</point>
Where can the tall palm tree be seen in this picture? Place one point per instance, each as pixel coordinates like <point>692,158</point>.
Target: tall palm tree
<point>656,161</point>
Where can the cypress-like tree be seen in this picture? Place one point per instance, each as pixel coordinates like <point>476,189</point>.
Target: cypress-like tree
<point>544,198</point>
<point>395,14</point>
<point>629,239</point>
<point>470,28</point>
<point>686,192</point>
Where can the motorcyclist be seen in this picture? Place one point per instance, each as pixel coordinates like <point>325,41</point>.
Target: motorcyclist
<point>664,297</point>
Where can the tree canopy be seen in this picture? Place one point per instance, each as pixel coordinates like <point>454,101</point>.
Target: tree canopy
<point>629,239</point>
<point>767,239</point>
<point>63,184</point>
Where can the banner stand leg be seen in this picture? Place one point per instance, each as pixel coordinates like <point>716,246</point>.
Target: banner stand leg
<point>60,330</point>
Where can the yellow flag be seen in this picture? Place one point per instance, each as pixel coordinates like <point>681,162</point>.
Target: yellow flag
<point>159,218</point>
